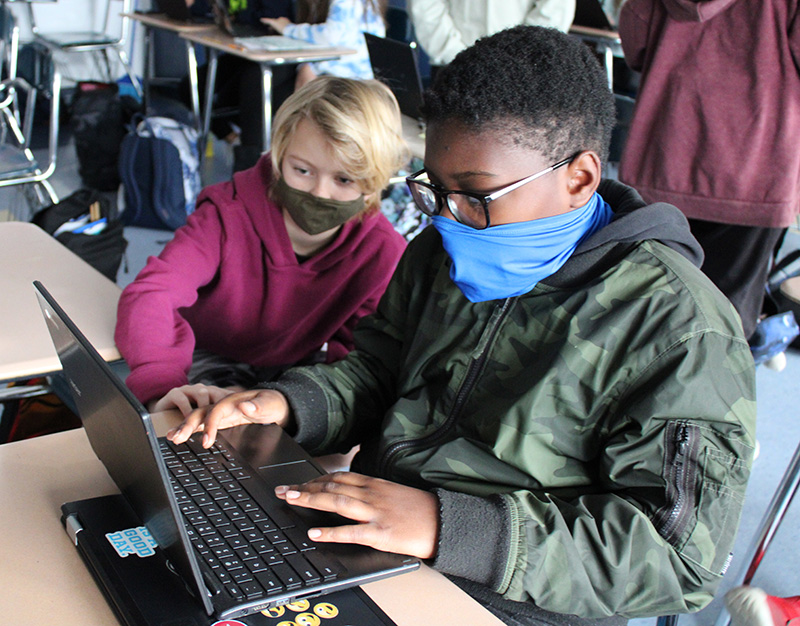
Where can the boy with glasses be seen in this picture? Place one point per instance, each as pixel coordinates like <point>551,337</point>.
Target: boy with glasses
<point>555,407</point>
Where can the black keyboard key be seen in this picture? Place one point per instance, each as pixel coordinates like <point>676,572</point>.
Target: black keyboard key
<point>266,526</point>
<point>285,548</point>
<point>231,563</point>
<point>272,558</point>
<point>244,524</point>
<point>256,565</point>
<point>229,531</point>
<point>275,537</point>
<point>299,537</point>
<point>330,567</point>
<point>246,552</point>
<point>195,445</point>
<point>240,474</point>
<point>223,552</point>
<point>241,576</point>
<point>237,541</point>
<point>252,590</point>
<point>262,547</point>
<point>289,578</point>
<point>269,581</point>
<point>258,516</point>
<point>307,573</point>
<point>234,592</point>
<point>205,529</point>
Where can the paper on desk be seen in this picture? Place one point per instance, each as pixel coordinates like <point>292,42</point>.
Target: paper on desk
<point>276,43</point>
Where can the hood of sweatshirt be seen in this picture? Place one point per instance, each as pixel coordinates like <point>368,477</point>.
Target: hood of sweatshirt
<point>695,10</point>
<point>634,221</point>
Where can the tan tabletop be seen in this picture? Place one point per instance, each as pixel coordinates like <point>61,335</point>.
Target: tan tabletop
<point>43,578</point>
<point>27,253</point>
<point>216,41</point>
<point>159,20</point>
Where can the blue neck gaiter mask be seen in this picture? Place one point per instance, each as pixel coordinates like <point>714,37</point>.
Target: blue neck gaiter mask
<point>509,259</point>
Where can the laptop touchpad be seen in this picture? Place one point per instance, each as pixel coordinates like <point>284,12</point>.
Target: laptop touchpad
<point>288,473</point>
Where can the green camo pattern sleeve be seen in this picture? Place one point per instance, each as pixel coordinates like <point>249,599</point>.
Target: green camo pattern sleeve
<point>616,417</point>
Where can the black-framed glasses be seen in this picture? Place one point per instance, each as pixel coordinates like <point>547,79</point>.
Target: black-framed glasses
<point>471,209</point>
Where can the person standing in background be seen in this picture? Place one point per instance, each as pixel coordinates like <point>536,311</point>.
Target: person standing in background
<point>340,23</point>
<point>715,129</point>
<point>446,27</point>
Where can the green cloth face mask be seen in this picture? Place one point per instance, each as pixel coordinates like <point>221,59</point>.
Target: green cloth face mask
<point>313,214</point>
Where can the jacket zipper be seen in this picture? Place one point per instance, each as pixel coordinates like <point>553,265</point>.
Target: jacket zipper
<point>467,385</point>
<point>681,472</point>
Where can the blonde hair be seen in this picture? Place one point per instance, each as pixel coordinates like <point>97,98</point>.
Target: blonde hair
<point>362,122</point>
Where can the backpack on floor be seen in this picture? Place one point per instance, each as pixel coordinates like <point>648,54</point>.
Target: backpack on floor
<point>86,223</point>
<point>159,166</point>
<point>99,116</point>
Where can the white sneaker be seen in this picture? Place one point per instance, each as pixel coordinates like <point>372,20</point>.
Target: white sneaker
<point>776,363</point>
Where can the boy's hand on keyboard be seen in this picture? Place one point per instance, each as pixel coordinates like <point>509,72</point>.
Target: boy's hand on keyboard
<point>393,517</point>
<point>258,406</point>
<point>190,397</point>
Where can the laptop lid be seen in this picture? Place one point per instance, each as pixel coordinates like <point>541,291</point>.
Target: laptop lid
<point>227,22</point>
<point>176,9</point>
<point>395,64</point>
<point>122,436</point>
<point>591,13</point>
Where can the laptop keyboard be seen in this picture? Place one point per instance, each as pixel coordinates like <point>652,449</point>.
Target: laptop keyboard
<point>250,554</point>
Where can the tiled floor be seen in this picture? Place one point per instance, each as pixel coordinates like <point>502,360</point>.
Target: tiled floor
<point>778,424</point>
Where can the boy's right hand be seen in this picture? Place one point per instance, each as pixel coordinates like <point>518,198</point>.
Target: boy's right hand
<point>257,406</point>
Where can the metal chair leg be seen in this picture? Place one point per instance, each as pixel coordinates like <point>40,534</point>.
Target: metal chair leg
<point>769,525</point>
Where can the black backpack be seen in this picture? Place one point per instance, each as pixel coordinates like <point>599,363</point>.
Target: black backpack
<point>99,118</point>
<point>102,250</point>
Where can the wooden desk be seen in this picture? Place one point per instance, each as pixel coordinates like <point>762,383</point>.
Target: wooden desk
<point>160,21</point>
<point>27,253</point>
<point>218,41</point>
<point>44,580</point>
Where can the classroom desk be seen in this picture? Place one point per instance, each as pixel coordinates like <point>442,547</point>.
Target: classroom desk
<point>44,580</point>
<point>216,41</point>
<point>152,21</point>
<point>606,42</point>
<point>27,253</point>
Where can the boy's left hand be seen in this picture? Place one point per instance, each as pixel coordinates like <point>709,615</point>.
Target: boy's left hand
<point>277,23</point>
<point>392,517</point>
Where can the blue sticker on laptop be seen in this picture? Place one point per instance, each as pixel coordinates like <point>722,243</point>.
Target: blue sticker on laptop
<point>137,541</point>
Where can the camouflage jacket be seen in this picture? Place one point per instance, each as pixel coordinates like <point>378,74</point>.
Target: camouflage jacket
<point>590,441</point>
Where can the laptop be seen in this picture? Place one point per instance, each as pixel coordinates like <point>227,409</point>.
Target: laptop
<point>196,520</point>
<point>177,10</point>
<point>592,13</point>
<point>395,64</point>
<point>227,22</point>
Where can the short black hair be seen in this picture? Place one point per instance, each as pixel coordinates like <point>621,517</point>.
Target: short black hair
<point>545,88</point>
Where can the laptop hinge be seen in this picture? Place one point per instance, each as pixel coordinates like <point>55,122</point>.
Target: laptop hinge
<point>73,527</point>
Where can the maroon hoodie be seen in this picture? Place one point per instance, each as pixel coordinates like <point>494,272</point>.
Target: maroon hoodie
<point>229,282</point>
<point>716,127</point>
